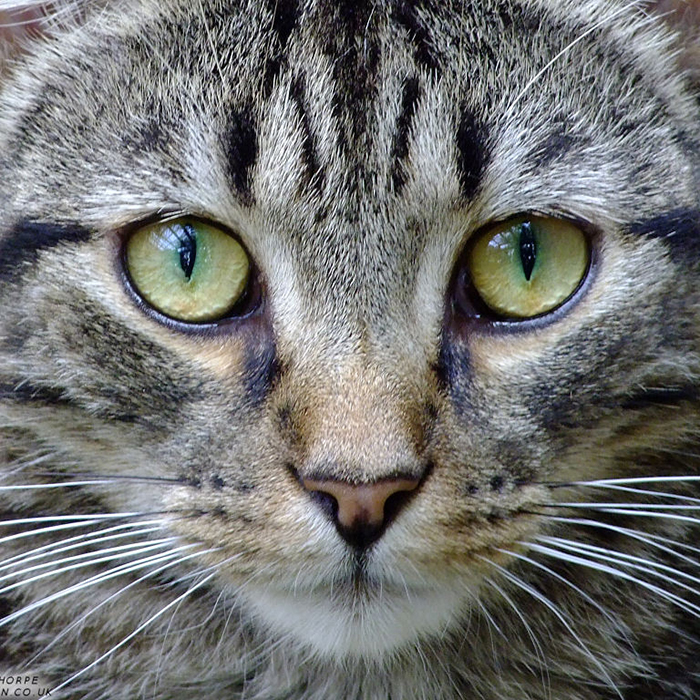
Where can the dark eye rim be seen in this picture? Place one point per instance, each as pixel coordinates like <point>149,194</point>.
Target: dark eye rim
<point>251,304</point>
<point>466,307</point>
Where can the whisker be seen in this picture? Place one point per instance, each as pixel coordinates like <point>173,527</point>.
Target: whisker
<point>96,559</point>
<point>93,580</point>
<point>648,538</point>
<point>114,477</point>
<point>70,518</point>
<point>124,549</point>
<point>516,581</point>
<point>563,579</point>
<point>489,617</point>
<point>624,481</point>
<point>630,506</point>
<point>90,480</point>
<point>133,529</point>
<point>121,591</point>
<point>68,526</point>
<point>604,568</point>
<point>44,530</point>
<point>215,53</point>
<point>141,627</point>
<point>25,463</point>
<point>623,510</point>
<point>58,485</point>
<point>622,558</point>
<point>539,651</point>
<point>594,27</point>
<point>18,22</point>
<point>648,492</point>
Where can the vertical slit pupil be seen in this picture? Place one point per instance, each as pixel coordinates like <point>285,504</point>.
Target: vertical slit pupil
<point>188,250</point>
<point>528,249</point>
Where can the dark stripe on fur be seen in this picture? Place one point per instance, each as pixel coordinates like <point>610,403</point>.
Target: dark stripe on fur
<point>526,20</point>
<point>351,35</point>
<point>126,376</point>
<point>24,392</point>
<point>453,371</point>
<point>679,229</point>
<point>662,396</point>
<point>406,14</point>
<point>32,394</point>
<point>353,14</point>
<point>557,144</point>
<point>261,370</point>
<point>241,151</point>
<point>409,100</point>
<point>472,156</point>
<point>310,152</point>
<point>26,239</point>
<point>285,15</point>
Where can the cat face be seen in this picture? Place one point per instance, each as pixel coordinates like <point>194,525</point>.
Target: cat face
<point>375,426</point>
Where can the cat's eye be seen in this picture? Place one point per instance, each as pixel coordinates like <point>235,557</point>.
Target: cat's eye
<point>527,266</point>
<point>187,270</point>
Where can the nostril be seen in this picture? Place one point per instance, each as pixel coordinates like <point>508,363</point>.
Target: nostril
<point>395,503</point>
<point>327,503</point>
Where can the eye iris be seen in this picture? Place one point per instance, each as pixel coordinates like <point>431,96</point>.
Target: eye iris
<point>528,249</point>
<point>187,270</point>
<point>524,268</point>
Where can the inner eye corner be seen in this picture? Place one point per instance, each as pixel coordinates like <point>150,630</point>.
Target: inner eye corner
<point>189,273</point>
<point>522,270</point>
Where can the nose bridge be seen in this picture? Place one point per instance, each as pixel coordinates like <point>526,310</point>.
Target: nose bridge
<point>364,426</point>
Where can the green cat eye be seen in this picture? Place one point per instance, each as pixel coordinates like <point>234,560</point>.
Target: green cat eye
<point>187,270</point>
<point>528,266</point>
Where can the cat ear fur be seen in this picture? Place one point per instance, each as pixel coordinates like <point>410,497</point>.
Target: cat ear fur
<point>25,21</point>
<point>683,16</point>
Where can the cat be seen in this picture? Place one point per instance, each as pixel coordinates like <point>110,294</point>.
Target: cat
<point>350,350</point>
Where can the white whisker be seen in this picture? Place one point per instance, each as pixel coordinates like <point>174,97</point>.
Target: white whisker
<point>539,651</point>
<point>623,559</point>
<point>628,506</point>
<point>121,591</point>
<point>210,39</point>
<point>559,615</point>
<point>58,485</point>
<point>604,568</point>
<point>141,627</point>
<point>96,559</point>
<point>89,558</point>
<point>647,538</point>
<point>70,518</point>
<point>561,578</point>
<point>637,513</point>
<point>489,618</point>
<point>594,27</point>
<point>649,492</point>
<point>108,534</point>
<point>635,480</point>
<point>93,580</point>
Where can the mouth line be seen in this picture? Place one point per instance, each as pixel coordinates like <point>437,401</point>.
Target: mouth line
<point>361,583</point>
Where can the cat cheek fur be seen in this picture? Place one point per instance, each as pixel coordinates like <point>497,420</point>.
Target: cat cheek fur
<point>360,488</point>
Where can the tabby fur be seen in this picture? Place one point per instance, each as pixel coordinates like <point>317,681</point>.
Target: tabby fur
<point>354,148</point>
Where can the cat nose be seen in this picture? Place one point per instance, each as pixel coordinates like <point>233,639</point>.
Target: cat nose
<point>361,512</point>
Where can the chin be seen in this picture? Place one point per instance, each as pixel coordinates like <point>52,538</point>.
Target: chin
<point>355,620</point>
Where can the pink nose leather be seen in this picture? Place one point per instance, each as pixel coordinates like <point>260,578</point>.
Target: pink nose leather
<point>361,504</point>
